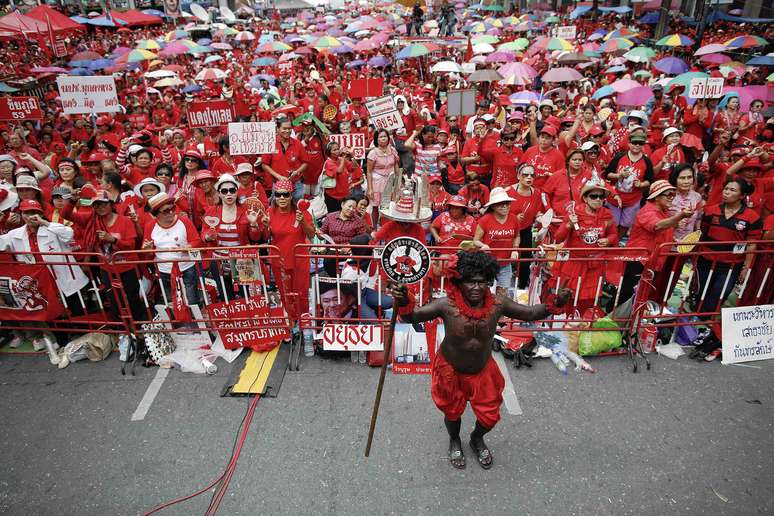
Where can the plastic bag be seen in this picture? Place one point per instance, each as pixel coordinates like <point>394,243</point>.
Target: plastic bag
<point>673,351</point>
<point>595,342</point>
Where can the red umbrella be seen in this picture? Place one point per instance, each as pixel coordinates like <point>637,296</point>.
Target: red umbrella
<point>86,56</point>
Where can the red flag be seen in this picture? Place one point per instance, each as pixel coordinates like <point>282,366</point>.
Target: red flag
<point>179,306</point>
<point>29,293</point>
<point>469,51</point>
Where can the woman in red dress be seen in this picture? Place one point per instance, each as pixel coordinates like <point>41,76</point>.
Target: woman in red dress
<point>288,227</point>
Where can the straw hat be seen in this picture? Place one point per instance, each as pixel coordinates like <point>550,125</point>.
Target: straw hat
<point>148,181</point>
<point>159,200</point>
<point>27,182</point>
<point>498,195</point>
<point>659,187</point>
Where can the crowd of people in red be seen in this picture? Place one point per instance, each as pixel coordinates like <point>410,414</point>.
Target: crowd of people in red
<point>597,173</point>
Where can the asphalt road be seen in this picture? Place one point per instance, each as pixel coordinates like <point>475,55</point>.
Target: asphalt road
<point>684,438</point>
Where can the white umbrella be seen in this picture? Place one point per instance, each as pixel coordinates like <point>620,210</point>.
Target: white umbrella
<point>445,67</point>
<point>210,74</point>
<point>160,74</point>
<point>483,48</point>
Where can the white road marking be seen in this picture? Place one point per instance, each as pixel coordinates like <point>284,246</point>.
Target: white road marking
<point>509,394</point>
<point>150,394</point>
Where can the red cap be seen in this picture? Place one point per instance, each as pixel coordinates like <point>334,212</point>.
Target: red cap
<point>30,205</point>
<point>434,178</point>
<point>568,119</point>
<point>201,175</point>
<point>457,200</point>
<point>595,130</point>
<point>549,129</point>
<point>95,157</point>
<point>553,120</point>
<point>192,152</point>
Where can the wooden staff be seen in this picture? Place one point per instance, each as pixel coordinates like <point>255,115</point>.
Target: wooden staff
<point>387,355</point>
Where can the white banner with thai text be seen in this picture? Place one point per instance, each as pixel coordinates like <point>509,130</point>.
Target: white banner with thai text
<point>748,333</point>
<point>252,138</point>
<point>352,337</point>
<point>356,142</point>
<point>86,95</point>
<point>383,113</point>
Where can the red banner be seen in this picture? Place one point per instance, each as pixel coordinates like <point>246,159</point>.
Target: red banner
<point>249,323</point>
<point>19,108</point>
<point>360,88</point>
<point>28,293</point>
<point>212,113</point>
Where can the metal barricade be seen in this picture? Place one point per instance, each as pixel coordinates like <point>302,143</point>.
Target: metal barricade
<point>64,293</point>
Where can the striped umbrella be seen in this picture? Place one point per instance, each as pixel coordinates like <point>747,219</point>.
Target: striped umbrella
<point>416,50</point>
<point>274,46</point>
<point>616,44</point>
<point>245,35</point>
<point>326,42</point>
<point>211,74</point>
<point>552,44</point>
<point>135,56</point>
<point>480,27</point>
<point>176,34</point>
<point>228,31</point>
<point>732,67</point>
<point>518,44</point>
<point>675,40</point>
<point>746,41</point>
<point>620,33</point>
<point>148,44</point>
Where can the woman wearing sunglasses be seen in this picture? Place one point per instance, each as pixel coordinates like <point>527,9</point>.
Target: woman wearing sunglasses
<point>227,225</point>
<point>289,226</point>
<point>589,228</point>
<point>527,206</point>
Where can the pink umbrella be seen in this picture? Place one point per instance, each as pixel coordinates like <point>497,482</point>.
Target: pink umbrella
<point>715,58</point>
<point>749,93</point>
<point>637,96</point>
<point>48,69</point>
<point>365,45</point>
<point>562,74</point>
<point>622,85</point>
<point>518,69</point>
<point>712,48</point>
<point>500,57</point>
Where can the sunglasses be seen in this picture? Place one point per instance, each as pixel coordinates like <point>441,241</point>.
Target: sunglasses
<point>596,196</point>
<point>507,138</point>
<point>163,174</point>
<point>636,143</point>
<point>282,194</point>
<point>228,191</point>
<point>166,211</point>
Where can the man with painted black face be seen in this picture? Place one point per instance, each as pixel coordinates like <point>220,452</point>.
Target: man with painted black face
<point>463,368</point>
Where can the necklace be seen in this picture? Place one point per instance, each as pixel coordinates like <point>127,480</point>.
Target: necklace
<point>456,297</point>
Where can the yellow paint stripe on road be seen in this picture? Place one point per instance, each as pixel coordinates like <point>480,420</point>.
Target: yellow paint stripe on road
<point>252,379</point>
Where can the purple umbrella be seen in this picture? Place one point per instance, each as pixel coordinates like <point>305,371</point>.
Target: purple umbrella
<point>635,97</point>
<point>561,74</point>
<point>355,64</point>
<point>671,66</point>
<point>343,49</point>
<point>523,97</point>
<point>378,61</point>
<point>715,58</point>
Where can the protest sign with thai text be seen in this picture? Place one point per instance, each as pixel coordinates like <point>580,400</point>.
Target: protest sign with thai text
<point>252,138</point>
<point>93,94</point>
<point>748,333</point>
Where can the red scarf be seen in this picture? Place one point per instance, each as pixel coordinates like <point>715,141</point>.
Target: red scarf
<point>456,297</point>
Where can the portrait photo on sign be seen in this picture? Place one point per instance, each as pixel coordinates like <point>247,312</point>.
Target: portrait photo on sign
<point>336,299</point>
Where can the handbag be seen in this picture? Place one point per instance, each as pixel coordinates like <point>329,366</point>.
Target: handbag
<point>327,181</point>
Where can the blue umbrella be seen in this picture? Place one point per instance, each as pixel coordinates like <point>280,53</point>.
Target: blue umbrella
<point>523,97</point>
<point>616,69</point>
<point>671,66</point>
<point>255,81</point>
<point>79,19</point>
<point>80,64</point>
<point>761,61</point>
<point>204,41</point>
<point>4,88</point>
<point>154,12</point>
<point>192,88</point>
<point>604,91</point>
<point>99,64</point>
<point>343,49</point>
<point>355,64</point>
<point>79,71</point>
<point>263,61</point>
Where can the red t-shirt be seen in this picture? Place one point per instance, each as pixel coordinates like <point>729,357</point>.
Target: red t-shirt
<point>527,205</point>
<point>447,226</point>
<point>285,160</point>
<point>644,233</point>
<point>285,236</point>
<point>624,186</point>
<point>499,235</point>
<point>545,163</point>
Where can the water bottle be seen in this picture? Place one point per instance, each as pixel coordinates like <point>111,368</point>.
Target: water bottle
<point>123,348</point>
<point>558,362</point>
<point>209,367</point>
<point>308,343</point>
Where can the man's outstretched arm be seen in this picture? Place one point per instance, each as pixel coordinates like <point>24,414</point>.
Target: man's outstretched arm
<point>408,311</point>
<point>555,305</point>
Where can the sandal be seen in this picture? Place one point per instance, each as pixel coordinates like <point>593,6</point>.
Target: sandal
<point>456,457</point>
<point>483,454</point>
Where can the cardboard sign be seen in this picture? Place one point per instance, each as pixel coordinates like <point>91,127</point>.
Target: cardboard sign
<point>60,47</point>
<point>85,95</point>
<point>708,88</point>
<point>361,88</point>
<point>748,333</point>
<point>352,337</point>
<point>461,102</point>
<point>567,32</point>
<point>252,138</point>
<point>249,323</point>
<point>19,108</point>
<point>212,113</point>
<point>356,142</point>
<point>28,293</point>
<point>383,113</point>
<point>138,120</point>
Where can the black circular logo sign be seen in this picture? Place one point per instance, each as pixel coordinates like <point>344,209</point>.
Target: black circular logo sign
<point>405,260</point>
